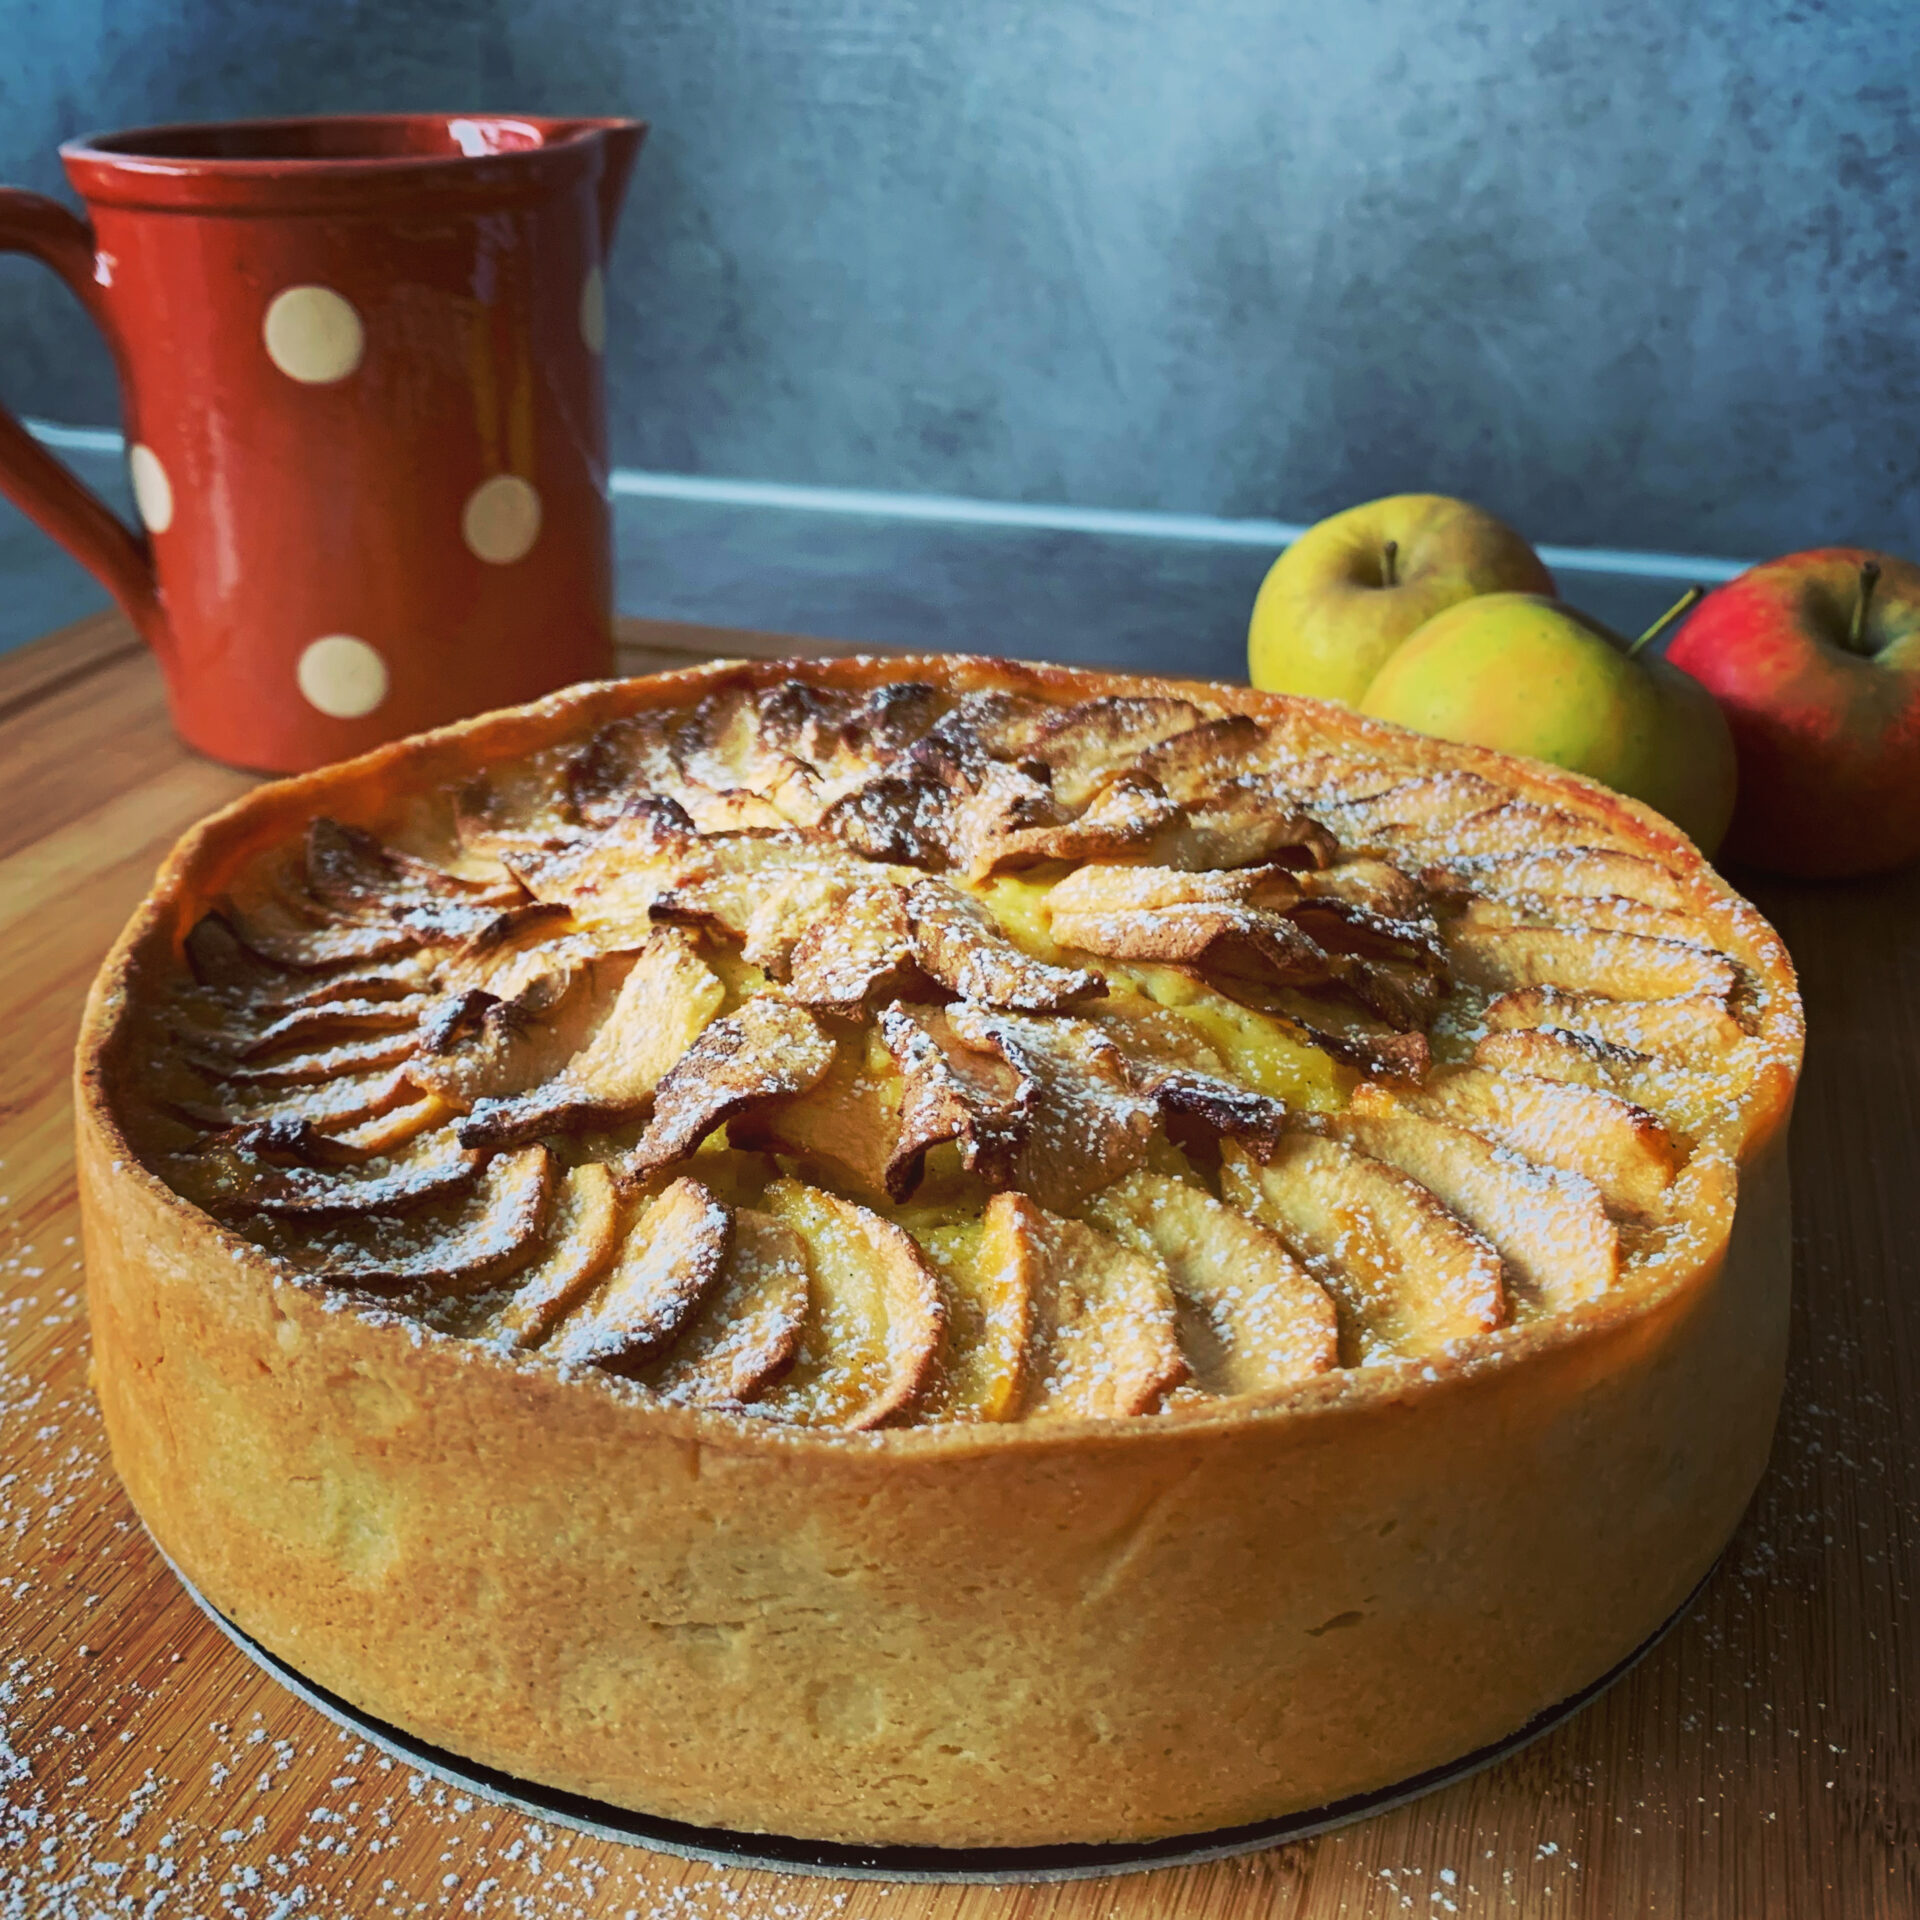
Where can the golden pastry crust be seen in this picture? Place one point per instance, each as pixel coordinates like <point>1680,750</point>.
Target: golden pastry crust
<point>1058,1628</point>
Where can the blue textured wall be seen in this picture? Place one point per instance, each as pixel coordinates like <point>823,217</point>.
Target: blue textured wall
<point>1632,273</point>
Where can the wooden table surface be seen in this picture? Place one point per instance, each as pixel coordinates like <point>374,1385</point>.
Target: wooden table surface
<point>1765,1760</point>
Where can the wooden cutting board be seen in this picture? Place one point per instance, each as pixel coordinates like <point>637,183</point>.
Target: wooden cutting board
<point>1765,1760</point>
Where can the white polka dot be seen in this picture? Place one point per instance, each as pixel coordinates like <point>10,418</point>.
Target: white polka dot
<point>342,676</point>
<point>593,310</point>
<point>501,520</point>
<point>152,490</point>
<point>313,335</point>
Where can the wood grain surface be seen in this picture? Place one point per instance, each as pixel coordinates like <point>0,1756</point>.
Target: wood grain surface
<point>1764,1761</point>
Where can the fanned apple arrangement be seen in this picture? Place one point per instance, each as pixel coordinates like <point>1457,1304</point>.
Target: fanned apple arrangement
<point>852,1059</point>
<point>1783,712</point>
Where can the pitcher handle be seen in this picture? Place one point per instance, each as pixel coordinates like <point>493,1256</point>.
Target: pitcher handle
<point>36,483</point>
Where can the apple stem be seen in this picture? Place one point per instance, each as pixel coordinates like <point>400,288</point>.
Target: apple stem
<point>1857,627</point>
<point>1387,558</point>
<point>1685,604</point>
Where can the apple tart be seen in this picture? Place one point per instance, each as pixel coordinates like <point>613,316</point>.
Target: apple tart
<point>941,1252</point>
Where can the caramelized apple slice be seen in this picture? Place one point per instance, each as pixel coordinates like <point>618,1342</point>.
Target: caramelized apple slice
<point>238,1174</point>
<point>583,1235</point>
<point>1624,966</point>
<point>1550,1053</point>
<point>900,819</point>
<point>1251,1317</point>
<point>216,956</point>
<point>1408,1278</point>
<point>1553,872</point>
<point>768,1050</point>
<point>1549,1227</point>
<point>611,878</point>
<point>1621,1148</point>
<point>445,1250</point>
<point>1688,1102</point>
<point>350,1057</point>
<point>764,889</point>
<point>480,1048</point>
<point>1373,884</point>
<point>303,937</point>
<point>1690,1029</point>
<point>326,1022</point>
<point>387,1132</point>
<point>1603,913</point>
<point>1121,818</point>
<point>858,949</point>
<point>1082,1125</point>
<point>332,1106</point>
<point>874,1315</point>
<point>1221,939</point>
<point>351,872</point>
<point>981,1371</point>
<point>846,1125</point>
<point>748,1329</point>
<point>950,1092</point>
<point>666,1001</point>
<point>1426,803</point>
<point>1104,889</point>
<point>1102,1340</point>
<point>1084,745</point>
<point>1520,826</point>
<point>957,943</point>
<point>670,1258</point>
<point>1243,824</point>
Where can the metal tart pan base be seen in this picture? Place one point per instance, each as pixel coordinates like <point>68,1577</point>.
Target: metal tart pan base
<point>988,1866</point>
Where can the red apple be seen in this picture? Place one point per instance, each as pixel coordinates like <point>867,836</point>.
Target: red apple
<point>1815,660</point>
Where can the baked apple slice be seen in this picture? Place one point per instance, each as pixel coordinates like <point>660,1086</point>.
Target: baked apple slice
<point>1623,1149</point>
<point>1622,966</point>
<point>859,949</point>
<point>667,1000</point>
<point>582,1236</point>
<point>1426,803</point>
<point>1692,1029</point>
<point>1080,1123</point>
<point>1554,872</point>
<point>1250,1316</point>
<point>1686,1102</point>
<point>1086,747</point>
<point>846,1125</point>
<point>611,877</point>
<point>1520,826</point>
<point>442,1250</point>
<point>1604,913</point>
<point>669,1260</point>
<point>950,1091</point>
<point>1102,1339</point>
<point>1550,1227</point>
<point>1124,817</point>
<point>982,1366</point>
<point>748,1329</point>
<point>362,1055</point>
<point>767,1050</point>
<point>958,943</point>
<point>1408,1277</point>
<point>319,1024</point>
<point>259,1169</point>
<point>874,1316</point>
<point>478,1047</point>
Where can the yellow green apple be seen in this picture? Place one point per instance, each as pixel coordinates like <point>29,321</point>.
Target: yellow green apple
<point>1526,674</point>
<point>1335,606</point>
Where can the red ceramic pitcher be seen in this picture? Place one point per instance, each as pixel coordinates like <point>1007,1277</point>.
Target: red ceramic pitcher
<point>360,373</point>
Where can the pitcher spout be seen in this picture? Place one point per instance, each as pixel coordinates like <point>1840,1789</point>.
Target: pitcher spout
<point>619,147</point>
